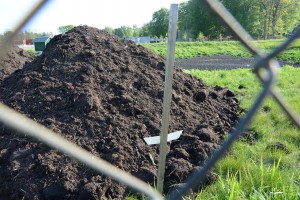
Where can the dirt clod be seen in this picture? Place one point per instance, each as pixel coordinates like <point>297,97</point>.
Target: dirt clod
<point>278,146</point>
<point>105,94</point>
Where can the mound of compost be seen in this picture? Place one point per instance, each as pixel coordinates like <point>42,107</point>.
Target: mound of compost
<point>14,59</point>
<point>105,94</point>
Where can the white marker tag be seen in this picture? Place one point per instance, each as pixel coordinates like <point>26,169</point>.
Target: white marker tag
<point>156,139</point>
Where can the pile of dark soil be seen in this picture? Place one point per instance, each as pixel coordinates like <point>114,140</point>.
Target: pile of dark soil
<point>105,94</point>
<point>14,59</point>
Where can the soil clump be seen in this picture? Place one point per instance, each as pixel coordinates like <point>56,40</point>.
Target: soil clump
<point>105,94</point>
<point>14,60</point>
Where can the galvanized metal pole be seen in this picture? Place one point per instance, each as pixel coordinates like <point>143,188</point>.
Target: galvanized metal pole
<point>167,96</point>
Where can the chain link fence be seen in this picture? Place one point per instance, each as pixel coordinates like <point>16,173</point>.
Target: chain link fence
<point>265,67</point>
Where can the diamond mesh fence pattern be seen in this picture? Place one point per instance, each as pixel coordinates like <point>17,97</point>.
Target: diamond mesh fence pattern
<point>265,67</point>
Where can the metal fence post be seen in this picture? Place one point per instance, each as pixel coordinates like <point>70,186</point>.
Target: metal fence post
<point>167,95</point>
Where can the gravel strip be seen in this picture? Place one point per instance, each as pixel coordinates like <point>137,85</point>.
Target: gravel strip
<point>219,62</point>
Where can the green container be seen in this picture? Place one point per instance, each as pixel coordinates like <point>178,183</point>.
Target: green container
<point>41,42</point>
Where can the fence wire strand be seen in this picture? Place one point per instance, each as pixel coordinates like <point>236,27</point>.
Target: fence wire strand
<point>265,67</point>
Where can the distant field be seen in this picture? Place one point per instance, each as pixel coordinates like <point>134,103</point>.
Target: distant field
<point>231,48</point>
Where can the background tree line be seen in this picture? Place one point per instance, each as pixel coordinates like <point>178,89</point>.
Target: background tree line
<point>24,35</point>
<point>263,19</point>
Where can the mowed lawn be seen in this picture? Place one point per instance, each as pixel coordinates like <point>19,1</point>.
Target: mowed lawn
<point>231,48</point>
<point>265,164</point>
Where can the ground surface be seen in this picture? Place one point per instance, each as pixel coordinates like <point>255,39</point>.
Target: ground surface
<point>219,62</point>
<point>105,95</point>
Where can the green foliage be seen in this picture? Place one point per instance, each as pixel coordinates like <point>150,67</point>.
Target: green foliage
<point>145,30</point>
<point>278,16</point>
<point>185,36</point>
<point>220,37</point>
<point>183,16</point>
<point>246,12</point>
<point>266,174</point>
<point>124,31</point>
<point>200,19</point>
<point>23,35</point>
<point>184,21</point>
<point>109,29</point>
<point>32,51</point>
<point>291,54</point>
<point>64,29</point>
<point>135,31</point>
<point>259,18</point>
<point>201,37</point>
<point>159,23</point>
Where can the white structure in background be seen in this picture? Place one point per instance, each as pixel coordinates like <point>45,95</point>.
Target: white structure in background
<point>146,39</point>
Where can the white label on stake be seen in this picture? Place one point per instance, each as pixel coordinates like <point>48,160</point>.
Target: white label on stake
<point>156,139</point>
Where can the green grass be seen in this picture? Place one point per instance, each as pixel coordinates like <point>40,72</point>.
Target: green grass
<point>232,48</point>
<point>193,49</point>
<point>252,171</point>
<point>32,51</point>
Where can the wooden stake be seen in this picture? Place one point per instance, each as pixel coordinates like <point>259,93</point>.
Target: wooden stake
<point>167,95</point>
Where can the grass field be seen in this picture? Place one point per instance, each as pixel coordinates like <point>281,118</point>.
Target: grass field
<point>233,48</point>
<point>254,168</point>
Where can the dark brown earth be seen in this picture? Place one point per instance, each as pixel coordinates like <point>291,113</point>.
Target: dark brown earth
<point>105,94</point>
<point>14,59</point>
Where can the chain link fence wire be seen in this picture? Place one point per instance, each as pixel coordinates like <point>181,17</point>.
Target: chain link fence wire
<point>265,67</point>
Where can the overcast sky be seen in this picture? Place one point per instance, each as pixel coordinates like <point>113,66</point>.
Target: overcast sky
<point>96,13</point>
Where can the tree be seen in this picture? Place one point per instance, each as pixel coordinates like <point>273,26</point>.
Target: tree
<point>258,17</point>
<point>246,12</point>
<point>118,32</point>
<point>159,23</point>
<point>184,18</point>
<point>5,35</point>
<point>136,31</point>
<point>63,29</point>
<point>202,20</point>
<point>123,31</point>
<point>109,29</point>
<point>145,30</point>
<point>278,16</point>
<point>280,9</point>
<point>290,17</point>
